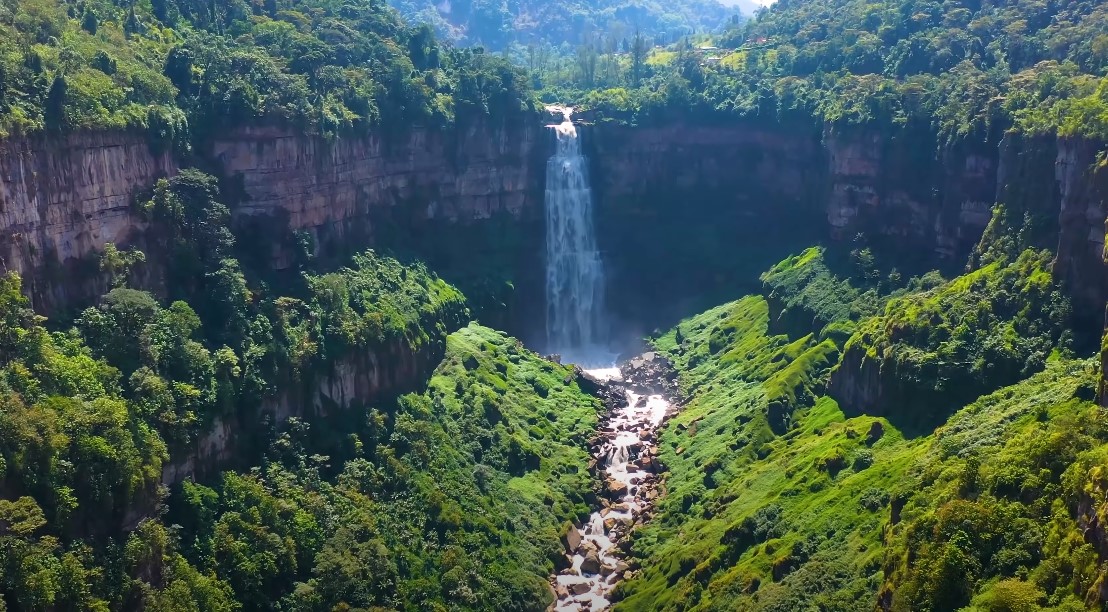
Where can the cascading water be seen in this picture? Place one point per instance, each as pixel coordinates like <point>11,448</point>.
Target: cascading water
<point>574,274</point>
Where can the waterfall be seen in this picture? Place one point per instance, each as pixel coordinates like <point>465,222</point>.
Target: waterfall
<point>574,274</point>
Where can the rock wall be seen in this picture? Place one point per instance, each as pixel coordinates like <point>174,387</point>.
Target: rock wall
<point>354,192</point>
<point>687,214</point>
<point>63,198</point>
<point>1082,184</point>
<point>900,189</point>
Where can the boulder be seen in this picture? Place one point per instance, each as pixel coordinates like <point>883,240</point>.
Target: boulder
<point>580,588</point>
<point>591,564</point>
<point>571,539</point>
<point>616,488</point>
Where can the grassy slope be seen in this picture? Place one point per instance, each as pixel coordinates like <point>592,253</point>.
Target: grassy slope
<point>760,521</point>
<point>504,463</point>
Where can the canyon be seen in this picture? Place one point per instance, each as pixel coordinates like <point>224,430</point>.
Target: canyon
<point>672,202</point>
<point>62,198</point>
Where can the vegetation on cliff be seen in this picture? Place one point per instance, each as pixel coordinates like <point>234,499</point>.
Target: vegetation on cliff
<point>447,499</point>
<point>553,26</point>
<point>453,495</point>
<point>781,499</point>
<point>94,417</point>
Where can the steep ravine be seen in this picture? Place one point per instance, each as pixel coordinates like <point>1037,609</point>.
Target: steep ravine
<point>674,203</point>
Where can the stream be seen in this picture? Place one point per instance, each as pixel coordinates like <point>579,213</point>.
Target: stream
<point>641,395</point>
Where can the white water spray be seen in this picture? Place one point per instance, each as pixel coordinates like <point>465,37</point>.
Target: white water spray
<point>574,274</point>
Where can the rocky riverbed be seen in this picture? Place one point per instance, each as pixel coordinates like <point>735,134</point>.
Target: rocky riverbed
<point>640,394</point>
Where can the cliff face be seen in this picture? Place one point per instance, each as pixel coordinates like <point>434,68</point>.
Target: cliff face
<point>61,199</point>
<point>1082,183</point>
<point>899,190</point>
<point>354,192</point>
<point>687,213</point>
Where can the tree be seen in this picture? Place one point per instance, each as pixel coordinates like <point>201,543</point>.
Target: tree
<point>90,23</point>
<point>640,47</point>
<point>54,111</point>
<point>118,265</point>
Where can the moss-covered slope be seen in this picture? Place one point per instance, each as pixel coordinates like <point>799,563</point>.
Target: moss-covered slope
<point>777,500</point>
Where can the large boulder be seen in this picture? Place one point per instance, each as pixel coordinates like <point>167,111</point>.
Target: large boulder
<point>571,538</point>
<point>591,563</point>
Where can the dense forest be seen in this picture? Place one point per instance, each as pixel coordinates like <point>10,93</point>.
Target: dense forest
<point>184,69</point>
<point>959,70</point>
<point>214,431</point>
<point>497,25</point>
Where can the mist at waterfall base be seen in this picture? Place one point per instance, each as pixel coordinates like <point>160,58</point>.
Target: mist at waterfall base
<point>576,328</point>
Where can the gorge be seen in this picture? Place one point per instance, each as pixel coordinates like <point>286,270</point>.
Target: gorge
<point>305,309</point>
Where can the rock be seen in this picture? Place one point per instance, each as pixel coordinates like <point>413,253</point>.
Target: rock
<point>616,488</point>
<point>591,564</point>
<point>580,588</point>
<point>606,570</point>
<point>875,432</point>
<point>680,450</point>
<point>571,539</point>
<point>621,567</point>
<point>561,592</point>
<point>589,383</point>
